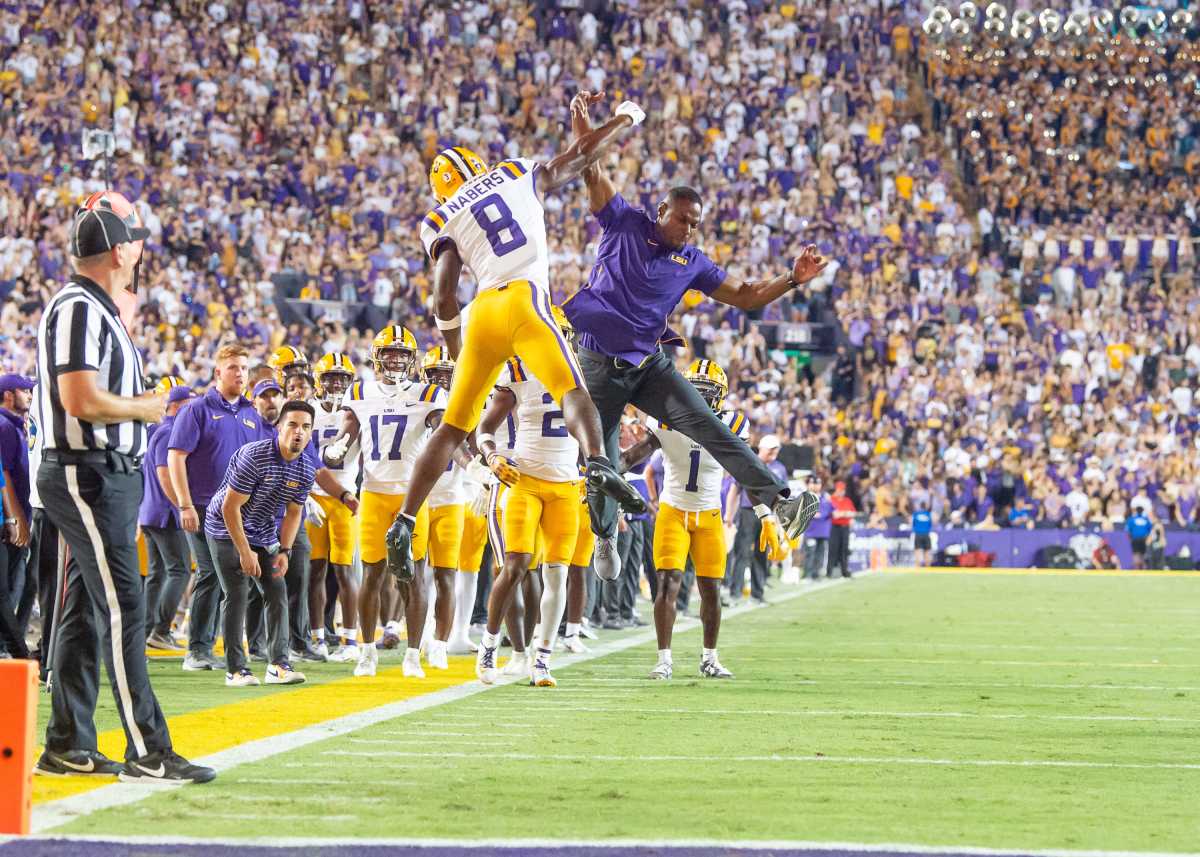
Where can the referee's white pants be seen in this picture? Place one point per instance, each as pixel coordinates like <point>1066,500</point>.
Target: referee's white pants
<point>103,611</point>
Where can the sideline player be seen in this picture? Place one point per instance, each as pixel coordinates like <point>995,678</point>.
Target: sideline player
<point>543,494</point>
<point>689,520</point>
<point>447,517</point>
<point>391,419</point>
<point>492,222</point>
<point>334,535</point>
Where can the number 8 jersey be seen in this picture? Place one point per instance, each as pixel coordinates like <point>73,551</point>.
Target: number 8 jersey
<point>392,430</point>
<point>691,476</point>
<point>544,447</point>
<point>497,222</point>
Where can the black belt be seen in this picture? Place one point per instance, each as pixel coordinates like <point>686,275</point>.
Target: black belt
<point>615,362</point>
<point>118,462</point>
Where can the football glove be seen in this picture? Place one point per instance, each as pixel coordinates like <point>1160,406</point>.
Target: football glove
<point>504,468</point>
<point>771,540</point>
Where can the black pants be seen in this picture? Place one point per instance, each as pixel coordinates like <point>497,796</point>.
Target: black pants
<point>297,591</point>
<point>747,555</point>
<point>12,590</point>
<point>815,557</point>
<point>168,564</point>
<point>620,595</point>
<point>95,507</point>
<point>839,551</point>
<point>657,389</point>
<point>483,588</point>
<point>235,585</point>
<point>47,555</point>
<point>206,594</point>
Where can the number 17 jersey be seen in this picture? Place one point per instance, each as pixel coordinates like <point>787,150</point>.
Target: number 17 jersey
<point>497,222</point>
<point>392,430</point>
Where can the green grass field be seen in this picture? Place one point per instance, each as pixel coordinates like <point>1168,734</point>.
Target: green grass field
<point>1006,711</point>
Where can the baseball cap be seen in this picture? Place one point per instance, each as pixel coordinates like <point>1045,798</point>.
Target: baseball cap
<point>267,385</point>
<point>13,381</point>
<point>180,394</point>
<point>769,441</point>
<point>105,220</point>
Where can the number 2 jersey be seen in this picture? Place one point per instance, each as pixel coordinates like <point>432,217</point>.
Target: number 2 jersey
<point>691,476</point>
<point>544,448</point>
<point>497,222</point>
<point>392,430</point>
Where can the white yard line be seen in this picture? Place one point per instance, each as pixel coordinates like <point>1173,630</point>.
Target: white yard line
<point>65,810</point>
<point>664,845</point>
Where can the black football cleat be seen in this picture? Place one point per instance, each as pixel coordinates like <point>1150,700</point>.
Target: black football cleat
<point>602,479</point>
<point>165,766</point>
<point>399,549</point>
<point>796,513</point>
<point>77,763</point>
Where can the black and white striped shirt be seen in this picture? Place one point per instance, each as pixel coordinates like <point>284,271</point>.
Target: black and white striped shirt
<point>81,329</point>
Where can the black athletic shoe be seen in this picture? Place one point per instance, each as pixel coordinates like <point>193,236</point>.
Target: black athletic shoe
<point>399,549</point>
<point>165,766</point>
<point>796,513</point>
<point>77,763</point>
<point>602,479</point>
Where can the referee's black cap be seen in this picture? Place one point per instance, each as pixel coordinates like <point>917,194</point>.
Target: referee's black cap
<point>105,220</point>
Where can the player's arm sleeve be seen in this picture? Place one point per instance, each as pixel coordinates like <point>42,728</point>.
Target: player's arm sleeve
<point>434,237</point>
<point>709,276</point>
<point>186,430</point>
<point>615,212</point>
<point>739,425</point>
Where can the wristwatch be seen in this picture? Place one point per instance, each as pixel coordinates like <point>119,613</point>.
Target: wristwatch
<point>284,550</point>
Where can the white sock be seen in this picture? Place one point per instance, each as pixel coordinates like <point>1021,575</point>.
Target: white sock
<point>664,656</point>
<point>411,654</point>
<point>572,629</point>
<point>320,636</point>
<point>392,627</point>
<point>430,609</point>
<point>370,646</point>
<point>708,654</point>
<point>490,640</point>
<point>465,584</point>
<point>554,603</point>
<point>351,635</point>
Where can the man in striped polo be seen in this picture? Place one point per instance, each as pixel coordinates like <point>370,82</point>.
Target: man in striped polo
<point>93,409</point>
<point>249,543</point>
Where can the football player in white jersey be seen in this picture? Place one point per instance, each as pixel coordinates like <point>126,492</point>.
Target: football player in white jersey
<point>334,533</point>
<point>543,478</point>
<point>689,520</point>
<point>492,221</point>
<point>391,419</point>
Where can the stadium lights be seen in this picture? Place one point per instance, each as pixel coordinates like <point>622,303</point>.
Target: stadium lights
<point>1145,27</point>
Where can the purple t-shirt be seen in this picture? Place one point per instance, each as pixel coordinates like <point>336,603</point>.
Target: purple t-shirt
<point>636,283</point>
<point>211,430</point>
<point>156,510</point>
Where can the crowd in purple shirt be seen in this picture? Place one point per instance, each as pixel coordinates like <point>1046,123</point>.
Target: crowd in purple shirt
<point>1033,353</point>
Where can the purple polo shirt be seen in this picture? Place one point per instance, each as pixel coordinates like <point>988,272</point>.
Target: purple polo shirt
<point>14,456</point>
<point>781,473</point>
<point>819,528</point>
<point>211,430</point>
<point>636,283</point>
<point>156,510</point>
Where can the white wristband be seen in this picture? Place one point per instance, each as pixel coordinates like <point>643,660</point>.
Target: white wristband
<point>762,510</point>
<point>450,323</point>
<point>481,439</point>
<point>635,113</point>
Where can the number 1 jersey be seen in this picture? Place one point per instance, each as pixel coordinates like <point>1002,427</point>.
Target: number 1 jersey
<point>392,430</point>
<point>691,476</point>
<point>497,222</point>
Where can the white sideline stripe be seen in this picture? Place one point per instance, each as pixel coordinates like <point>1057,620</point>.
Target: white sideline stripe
<point>53,814</point>
<point>115,630</point>
<point>775,757</point>
<point>665,845</point>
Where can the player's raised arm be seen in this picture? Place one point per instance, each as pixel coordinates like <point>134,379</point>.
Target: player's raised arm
<point>595,178</point>
<point>588,148</point>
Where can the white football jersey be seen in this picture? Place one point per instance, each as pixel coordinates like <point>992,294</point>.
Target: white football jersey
<point>326,427</point>
<point>691,476</point>
<point>497,222</point>
<point>392,430</point>
<point>450,489</point>
<point>544,447</point>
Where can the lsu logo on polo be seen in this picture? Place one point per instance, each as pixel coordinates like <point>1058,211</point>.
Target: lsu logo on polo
<point>292,483</point>
<point>248,423</point>
<point>677,259</point>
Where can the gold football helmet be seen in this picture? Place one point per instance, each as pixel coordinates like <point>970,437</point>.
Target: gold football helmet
<point>453,168</point>
<point>437,367</point>
<point>287,361</point>
<point>333,374</point>
<point>710,381</point>
<point>394,354</point>
<point>167,382</point>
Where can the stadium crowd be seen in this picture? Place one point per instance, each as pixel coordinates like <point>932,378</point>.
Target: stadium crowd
<point>994,356</point>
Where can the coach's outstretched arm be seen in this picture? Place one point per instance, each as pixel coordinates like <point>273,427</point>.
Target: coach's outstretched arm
<point>754,295</point>
<point>587,149</point>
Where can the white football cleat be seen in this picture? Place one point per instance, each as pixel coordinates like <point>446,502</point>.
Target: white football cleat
<point>322,649</point>
<point>662,671</point>
<point>518,664</point>
<point>412,665</point>
<point>461,646</point>
<point>485,665</point>
<point>437,655</point>
<point>282,673</point>
<point>242,678</point>
<point>574,645</point>
<point>540,676</point>
<point>345,655</point>
<point>368,661</point>
<point>712,669</point>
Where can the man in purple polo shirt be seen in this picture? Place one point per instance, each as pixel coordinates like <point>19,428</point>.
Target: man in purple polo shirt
<point>816,540</point>
<point>168,557</point>
<point>643,267</point>
<point>204,437</point>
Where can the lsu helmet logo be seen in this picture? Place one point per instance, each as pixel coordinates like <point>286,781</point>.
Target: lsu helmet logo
<point>452,168</point>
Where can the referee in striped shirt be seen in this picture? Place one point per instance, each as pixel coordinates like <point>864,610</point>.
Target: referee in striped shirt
<point>93,407</point>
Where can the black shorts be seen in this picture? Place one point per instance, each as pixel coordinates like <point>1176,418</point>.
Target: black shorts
<point>1138,545</point>
<point>922,541</point>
